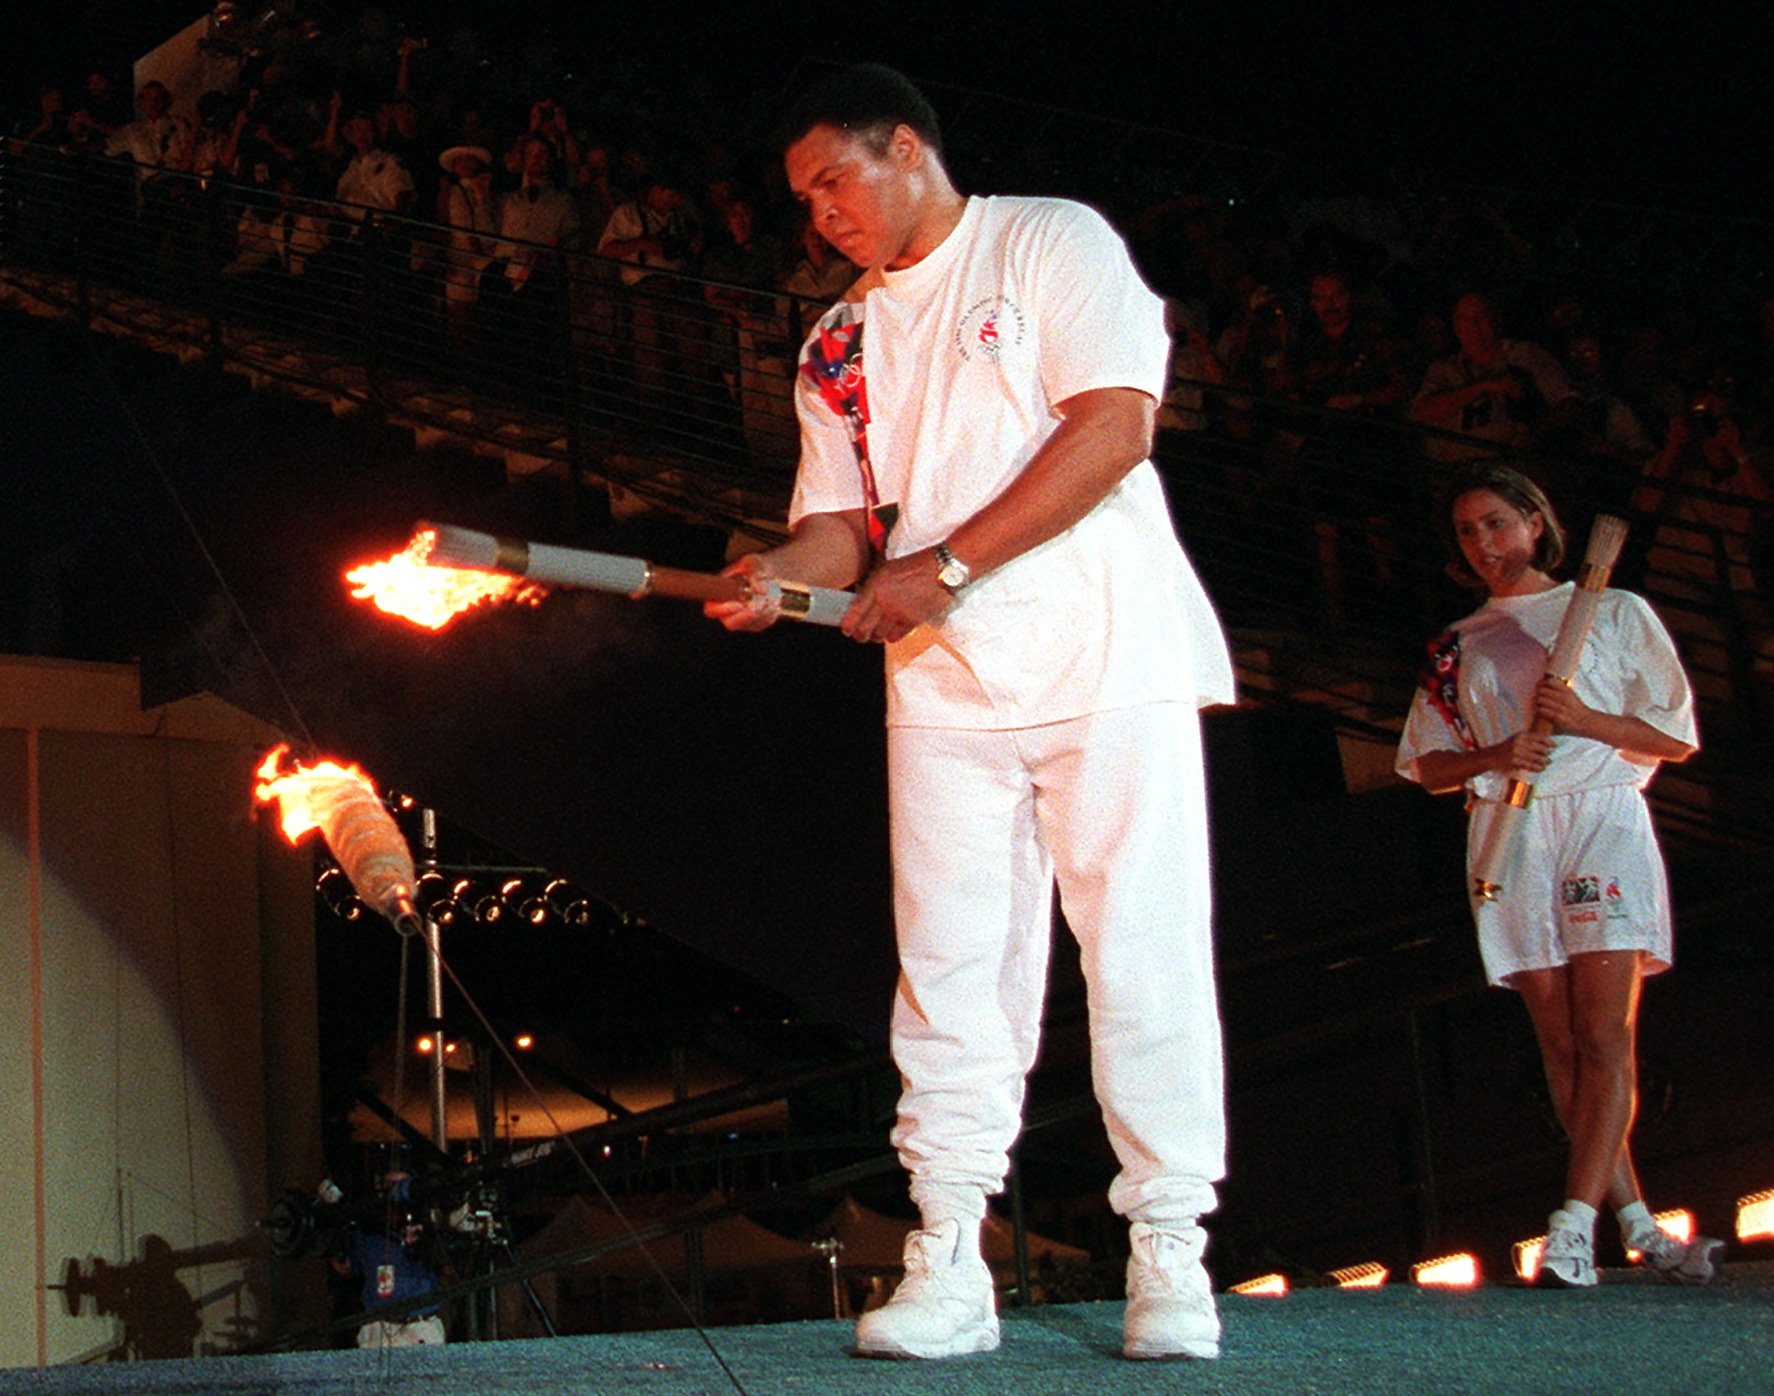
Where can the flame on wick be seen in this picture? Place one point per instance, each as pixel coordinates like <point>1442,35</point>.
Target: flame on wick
<point>405,586</point>
<point>342,802</point>
<point>303,793</point>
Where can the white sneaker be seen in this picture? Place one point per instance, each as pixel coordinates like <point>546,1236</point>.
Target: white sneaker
<point>1170,1310</point>
<point>1568,1258</point>
<point>944,1307</point>
<point>1680,1262</point>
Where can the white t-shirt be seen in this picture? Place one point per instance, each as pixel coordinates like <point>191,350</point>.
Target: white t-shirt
<point>1026,303</point>
<point>375,179</point>
<point>154,145</point>
<point>1478,688</point>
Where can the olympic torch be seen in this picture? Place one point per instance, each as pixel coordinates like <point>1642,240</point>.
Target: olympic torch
<point>445,571</point>
<point>635,577</point>
<point>1605,541</point>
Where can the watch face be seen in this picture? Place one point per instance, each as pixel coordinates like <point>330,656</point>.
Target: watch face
<point>952,574</point>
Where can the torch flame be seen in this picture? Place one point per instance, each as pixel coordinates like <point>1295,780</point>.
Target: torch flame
<point>303,793</point>
<point>342,802</point>
<point>405,586</point>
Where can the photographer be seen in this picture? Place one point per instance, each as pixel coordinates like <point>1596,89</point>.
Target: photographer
<point>1501,394</point>
<point>1708,498</point>
<point>548,123</point>
<point>391,1265</point>
<point>656,236</point>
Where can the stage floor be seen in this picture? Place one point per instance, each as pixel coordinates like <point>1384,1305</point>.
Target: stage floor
<point>1619,1338</point>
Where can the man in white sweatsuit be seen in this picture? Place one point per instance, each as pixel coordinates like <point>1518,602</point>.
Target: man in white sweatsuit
<point>976,417</point>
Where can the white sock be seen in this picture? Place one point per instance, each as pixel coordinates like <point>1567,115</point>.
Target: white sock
<point>1581,1214</point>
<point>1634,1218</point>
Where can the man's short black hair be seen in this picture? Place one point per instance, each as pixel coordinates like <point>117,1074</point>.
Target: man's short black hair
<point>866,99</point>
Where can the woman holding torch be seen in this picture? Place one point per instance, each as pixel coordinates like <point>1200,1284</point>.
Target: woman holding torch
<point>1583,913</point>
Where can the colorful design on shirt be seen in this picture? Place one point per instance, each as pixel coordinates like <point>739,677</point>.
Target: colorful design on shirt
<point>834,367</point>
<point>988,327</point>
<point>1440,681</point>
<point>1579,891</point>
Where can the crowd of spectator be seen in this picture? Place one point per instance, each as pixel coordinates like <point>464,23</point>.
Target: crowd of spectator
<point>1332,357</point>
<point>1333,379</point>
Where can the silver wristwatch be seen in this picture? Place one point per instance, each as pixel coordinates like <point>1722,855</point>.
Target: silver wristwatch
<point>950,570</point>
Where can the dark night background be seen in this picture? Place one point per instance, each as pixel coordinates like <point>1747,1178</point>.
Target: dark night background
<point>1638,103</point>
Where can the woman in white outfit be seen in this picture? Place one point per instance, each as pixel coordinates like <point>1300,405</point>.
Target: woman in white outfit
<point>1584,914</point>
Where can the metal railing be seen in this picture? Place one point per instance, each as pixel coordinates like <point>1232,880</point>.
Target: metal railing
<point>555,353</point>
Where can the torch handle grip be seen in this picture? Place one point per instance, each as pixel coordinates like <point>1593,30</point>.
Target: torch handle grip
<point>815,605</point>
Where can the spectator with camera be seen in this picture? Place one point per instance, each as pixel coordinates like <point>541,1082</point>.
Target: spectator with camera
<point>1352,369</point>
<point>548,124</point>
<point>535,218</point>
<point>1706,500</point>
<point>158,141</point>
<point>215,144</point>
<point>100,112</point>
<point>45,125</point>
<point>1614,445</point>
<point>1494,392</point>
<point>373,179</point>
<point>656,236</point>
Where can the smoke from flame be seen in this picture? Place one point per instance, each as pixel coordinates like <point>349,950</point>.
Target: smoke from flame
<point>405,586</point>
<point>341,801</point>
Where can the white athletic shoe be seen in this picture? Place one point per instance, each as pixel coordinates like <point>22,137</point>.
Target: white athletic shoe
<point>1568,1258</point>
<point>1170,1309</point>
<point>944,1307</point>
<point>1680,1262</point>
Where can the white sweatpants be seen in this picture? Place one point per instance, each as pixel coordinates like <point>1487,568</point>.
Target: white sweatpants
<point>1114,805</point>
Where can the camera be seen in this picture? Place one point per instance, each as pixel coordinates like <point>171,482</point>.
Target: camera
<point>308,1224</point>
<point>1705,417</point>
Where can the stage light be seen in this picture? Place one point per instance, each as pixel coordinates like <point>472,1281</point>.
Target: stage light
<point>1755,1216</point>
<point>1526,1257</point>
<point>523,1042</point>
<point>524,901</point>
<point>336,891</point>
<point>1271,1286</point>
<point>570,903</point>
<point>478,900</point>
<point>434,894</point>
<point>1676,1222</point>
<point>1447,1272</point>
<point>1370,1274</point>
<point>425,1045</point>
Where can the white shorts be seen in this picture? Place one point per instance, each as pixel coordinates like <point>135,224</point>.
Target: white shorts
<point>402,1333</point>
<point>1586,876</point>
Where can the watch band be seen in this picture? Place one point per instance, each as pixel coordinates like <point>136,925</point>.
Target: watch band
<point>950,570</point>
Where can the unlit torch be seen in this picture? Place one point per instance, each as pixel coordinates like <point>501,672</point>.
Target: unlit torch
<point>1605,541</point>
